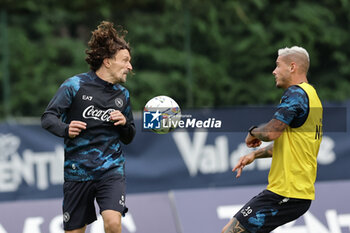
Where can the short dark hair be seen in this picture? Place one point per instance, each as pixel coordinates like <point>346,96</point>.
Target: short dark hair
<point>104,43</point>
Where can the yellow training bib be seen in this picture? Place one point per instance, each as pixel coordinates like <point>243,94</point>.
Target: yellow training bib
<point>294,160</point>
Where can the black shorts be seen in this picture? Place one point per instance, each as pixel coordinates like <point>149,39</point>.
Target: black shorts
<point>79,197</point>
<point>267,211</point>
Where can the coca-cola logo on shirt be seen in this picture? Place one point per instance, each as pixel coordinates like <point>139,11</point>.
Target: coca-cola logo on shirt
<point>94,113</point>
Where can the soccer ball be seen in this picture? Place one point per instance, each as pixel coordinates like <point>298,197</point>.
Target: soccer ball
<point>161,114</point>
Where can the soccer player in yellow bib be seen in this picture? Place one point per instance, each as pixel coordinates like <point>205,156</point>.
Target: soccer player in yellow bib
<point>296,129</point>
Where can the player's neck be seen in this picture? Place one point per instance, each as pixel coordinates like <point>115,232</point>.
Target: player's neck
<point>104,75</point>
<point>298,79</point>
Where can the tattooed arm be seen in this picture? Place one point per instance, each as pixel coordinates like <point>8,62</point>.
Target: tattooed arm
<point>265,152</point>
<point>267,132</point>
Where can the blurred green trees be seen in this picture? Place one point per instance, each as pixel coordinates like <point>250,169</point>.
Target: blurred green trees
<point>202,53</point>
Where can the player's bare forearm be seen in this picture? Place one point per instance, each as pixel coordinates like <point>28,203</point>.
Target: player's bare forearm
<point>265,152</point>
<point>269,131</point>
<point>262,134</point>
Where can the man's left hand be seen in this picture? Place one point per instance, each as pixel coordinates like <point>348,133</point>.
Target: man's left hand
<point>252,141</point>
<point>118,118</point>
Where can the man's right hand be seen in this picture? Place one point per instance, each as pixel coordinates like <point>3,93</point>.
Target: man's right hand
<point>75,127</point>
<point>243,161</point>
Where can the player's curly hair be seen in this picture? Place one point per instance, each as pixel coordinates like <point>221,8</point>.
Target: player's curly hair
<point>104,43</point>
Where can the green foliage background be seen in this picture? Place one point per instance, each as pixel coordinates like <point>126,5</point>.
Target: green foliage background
<point>202,53</point>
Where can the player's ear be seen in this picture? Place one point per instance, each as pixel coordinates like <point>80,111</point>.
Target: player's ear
<point>106,62</point>
<point>292,67</point>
